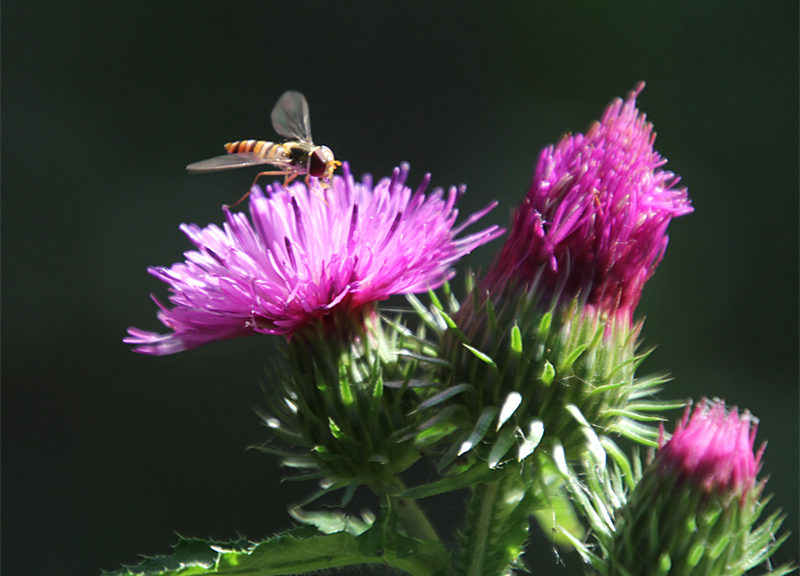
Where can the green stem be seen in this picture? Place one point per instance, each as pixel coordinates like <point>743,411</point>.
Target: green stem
<point>413,519</point>
<point>483,500</point>
<point>495,528</point>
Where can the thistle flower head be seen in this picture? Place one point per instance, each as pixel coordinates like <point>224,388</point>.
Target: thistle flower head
<point>696,508</point>
<point>713,449</point>
<point>301,260</point>
<point>594,221</point>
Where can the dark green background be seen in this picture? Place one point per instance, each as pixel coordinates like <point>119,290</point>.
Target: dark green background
<point>106,453</point>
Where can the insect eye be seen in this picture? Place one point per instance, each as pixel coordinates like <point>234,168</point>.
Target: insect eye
<point>318,164</point>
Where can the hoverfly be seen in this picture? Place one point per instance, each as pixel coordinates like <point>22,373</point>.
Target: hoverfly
<point>295,157</point>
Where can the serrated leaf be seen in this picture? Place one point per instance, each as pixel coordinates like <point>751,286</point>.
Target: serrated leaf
<point>330,522</point>
<point>188,554</point>
<point>298,551</point>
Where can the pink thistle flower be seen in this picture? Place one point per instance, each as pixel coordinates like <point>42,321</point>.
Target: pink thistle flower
<point>713,449</point>
<point>594,221</point>
<point>301,260</point>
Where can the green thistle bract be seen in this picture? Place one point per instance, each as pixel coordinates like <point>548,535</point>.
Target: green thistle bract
<point>344,402</point>
<point>696,507</point>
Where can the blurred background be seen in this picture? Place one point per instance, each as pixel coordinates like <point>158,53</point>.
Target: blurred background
<point>107,454</point>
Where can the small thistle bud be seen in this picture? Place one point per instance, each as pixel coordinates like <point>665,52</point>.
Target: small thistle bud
<point>712,450</point>
<point>694,511</point>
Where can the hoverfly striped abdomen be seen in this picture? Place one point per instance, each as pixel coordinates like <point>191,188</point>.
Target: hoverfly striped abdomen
<point>257,147</point>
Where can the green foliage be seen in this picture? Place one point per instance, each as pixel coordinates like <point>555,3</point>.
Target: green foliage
<point>301,550</point>
<point>344,408</point>
<point>517,402</point>
<point>512,368</point>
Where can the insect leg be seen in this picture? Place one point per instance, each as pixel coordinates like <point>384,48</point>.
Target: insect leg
<point>323,184</point>
<point>289,177</point>
<point>246,194</point>
<point>274,173</point>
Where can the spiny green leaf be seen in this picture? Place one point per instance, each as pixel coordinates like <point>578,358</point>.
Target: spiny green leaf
<point>516,339</point>
<point>299,460</point>
<point>655,405</point>
<point>190,555</point>
<point>451,324</point>
<point>331,522</point>
<point>423,358</point>
<point>425,314</point>
<point>443,396</point>
<point>440,416</point>
<point>480,355</point>
<point>510,405</point>
<point>531,439</point>
<point>628,413</point>
<point>544,325</point>
<point>471,476</point>
<point>548,373</point>
<point>452,302</point>
<point>640,433</point>
<point>567,362</point>
<point>621,460</point>
<point>298,551</point>
<point>435,300</point>
<point>501,446</point>
<point>335,430</point>
<point>481,427</point>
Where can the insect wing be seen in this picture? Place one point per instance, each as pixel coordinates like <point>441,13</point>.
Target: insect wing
<point>229,162</point>
<point>290,117</point>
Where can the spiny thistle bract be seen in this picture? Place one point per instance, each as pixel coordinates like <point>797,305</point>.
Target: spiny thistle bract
<point>342,408</point>
<point>693,510</point>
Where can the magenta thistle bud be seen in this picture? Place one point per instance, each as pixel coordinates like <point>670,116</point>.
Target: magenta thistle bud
<point>713,450</point>
<point>696,507</point>
<point>593,224</point>
<point>302,261</point>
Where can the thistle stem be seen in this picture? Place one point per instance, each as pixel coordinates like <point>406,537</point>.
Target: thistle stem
<point>413,519</point>
<point>495,528</point>
<point>483,500</point>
